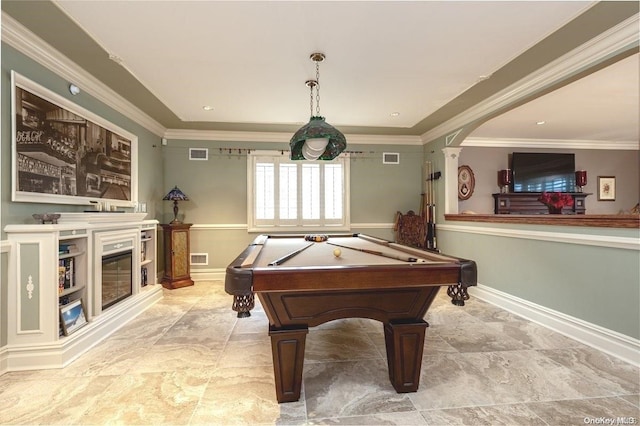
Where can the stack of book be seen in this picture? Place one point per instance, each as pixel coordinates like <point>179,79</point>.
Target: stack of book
<point>64,248</point>
<point>66,276</point>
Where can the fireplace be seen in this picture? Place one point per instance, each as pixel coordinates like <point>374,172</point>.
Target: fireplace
<point>117,278</point>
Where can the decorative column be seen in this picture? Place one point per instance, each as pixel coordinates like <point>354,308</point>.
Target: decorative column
<point>451,156</point>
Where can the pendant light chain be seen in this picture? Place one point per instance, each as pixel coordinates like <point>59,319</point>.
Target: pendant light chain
<point>317,88</point>
<point>310,98</point>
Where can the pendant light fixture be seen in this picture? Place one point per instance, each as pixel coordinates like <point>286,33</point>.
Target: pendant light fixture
<point>317,140</point>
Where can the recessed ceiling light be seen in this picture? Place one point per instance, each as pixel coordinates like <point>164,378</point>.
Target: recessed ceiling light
<point>540,123</point>
<point>395,114</point>
<point>207,108</point>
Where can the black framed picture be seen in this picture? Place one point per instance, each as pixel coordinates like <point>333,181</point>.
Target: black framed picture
<point>606,188</point>
<point>65,154</point>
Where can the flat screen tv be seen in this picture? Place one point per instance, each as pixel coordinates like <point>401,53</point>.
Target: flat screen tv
<point>538,172</point>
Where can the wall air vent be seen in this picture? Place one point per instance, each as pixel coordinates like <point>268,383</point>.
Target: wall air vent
<point>198,154</point>
<point>390,158</point>
<point>199,258</point>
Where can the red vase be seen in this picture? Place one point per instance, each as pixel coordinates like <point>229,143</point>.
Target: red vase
<point>555,210</point>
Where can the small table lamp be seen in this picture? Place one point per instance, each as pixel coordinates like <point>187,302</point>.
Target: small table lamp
<point>581,179</point>
<point>505,178</point>
<point>176,195</point>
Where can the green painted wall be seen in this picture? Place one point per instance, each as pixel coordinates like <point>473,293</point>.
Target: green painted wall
<point>150,164</point>
<point>600,285</point>
<point>217,189</point>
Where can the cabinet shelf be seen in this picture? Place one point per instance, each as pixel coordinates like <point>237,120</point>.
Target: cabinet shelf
<point>72,254</point>
<point>68,291</point>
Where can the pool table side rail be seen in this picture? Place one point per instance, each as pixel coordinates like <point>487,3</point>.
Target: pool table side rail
<point>242,279</point>
<point>356,277</point>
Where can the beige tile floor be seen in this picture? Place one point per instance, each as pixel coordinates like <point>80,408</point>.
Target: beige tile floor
<point>189,360</point>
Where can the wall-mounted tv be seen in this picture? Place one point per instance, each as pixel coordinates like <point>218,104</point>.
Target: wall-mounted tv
<point>538,172</point>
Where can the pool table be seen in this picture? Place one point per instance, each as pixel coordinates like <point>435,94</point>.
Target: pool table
<point>304,281</point>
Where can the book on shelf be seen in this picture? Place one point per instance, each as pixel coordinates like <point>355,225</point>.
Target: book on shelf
<point>143,278</point>
<point>143,251</point>
<point>61,276</point>
<point>66,248</point>
<point>66,274</point>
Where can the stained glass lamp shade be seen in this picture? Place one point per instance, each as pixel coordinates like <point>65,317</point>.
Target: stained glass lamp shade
<point>176,195</point>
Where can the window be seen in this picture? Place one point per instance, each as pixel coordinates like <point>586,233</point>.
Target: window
<point>297,195</point>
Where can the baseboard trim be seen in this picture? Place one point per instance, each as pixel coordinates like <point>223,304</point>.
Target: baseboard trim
<point>214,274</point>
<point>4,356</point>
<point>611,342</point>
<point>61,353</point>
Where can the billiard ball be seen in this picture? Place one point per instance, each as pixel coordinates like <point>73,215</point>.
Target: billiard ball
<point>337,252</point>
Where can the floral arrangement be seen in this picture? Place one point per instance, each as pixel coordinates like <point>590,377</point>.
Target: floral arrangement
<point>556,200</point>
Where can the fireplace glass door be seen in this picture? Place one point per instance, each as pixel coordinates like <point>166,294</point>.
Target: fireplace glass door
<point>117,273</point>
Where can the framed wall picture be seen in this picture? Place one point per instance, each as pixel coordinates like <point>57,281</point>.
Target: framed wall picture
<point>606,188</point>
<point>466,182</point>
<point>72,317</point>
<point>65,154</point>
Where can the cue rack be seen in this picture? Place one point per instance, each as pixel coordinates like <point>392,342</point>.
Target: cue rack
<point>428,205</point>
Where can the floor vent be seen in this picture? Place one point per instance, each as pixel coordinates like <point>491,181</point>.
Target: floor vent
<point>199,258</point>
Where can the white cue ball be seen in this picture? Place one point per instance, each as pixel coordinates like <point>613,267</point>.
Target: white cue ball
<point>337,252</point>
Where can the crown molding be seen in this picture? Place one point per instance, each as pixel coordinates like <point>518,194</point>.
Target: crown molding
<point>280,137</point>
<point>620,38</point>
<point>23,40</point>
<point>551,143</point>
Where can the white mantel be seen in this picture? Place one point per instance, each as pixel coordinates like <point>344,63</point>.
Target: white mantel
<point>100,217</point>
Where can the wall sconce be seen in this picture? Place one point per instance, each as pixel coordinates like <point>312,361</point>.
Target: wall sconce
<point>317,140</point>
<point>176,195</point>
<point>505,178</point>
<point>581,179</point>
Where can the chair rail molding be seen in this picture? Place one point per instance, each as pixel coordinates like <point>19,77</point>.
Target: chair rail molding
<point>626,243</point>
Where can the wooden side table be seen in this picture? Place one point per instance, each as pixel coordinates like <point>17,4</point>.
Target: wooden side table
<point>177,272</point>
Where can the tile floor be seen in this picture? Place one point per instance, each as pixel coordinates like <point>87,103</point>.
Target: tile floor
<point>189,361</point>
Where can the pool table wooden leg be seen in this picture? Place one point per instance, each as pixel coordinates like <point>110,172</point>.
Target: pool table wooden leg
<point>404,342</point>
<point>287,349</point>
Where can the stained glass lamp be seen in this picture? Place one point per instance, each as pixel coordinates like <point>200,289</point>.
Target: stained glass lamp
<point>176,195</point>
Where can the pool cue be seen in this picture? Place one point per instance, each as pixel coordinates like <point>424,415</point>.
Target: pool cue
<point>431,209</point>
<point>289,256</point>
<point>383,254</point>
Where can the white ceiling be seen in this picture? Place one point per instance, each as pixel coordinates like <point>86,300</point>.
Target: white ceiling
<point>249,60</point>
<point>602,106</point>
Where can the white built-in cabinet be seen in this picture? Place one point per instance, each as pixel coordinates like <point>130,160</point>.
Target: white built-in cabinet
<point>55,300</point>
